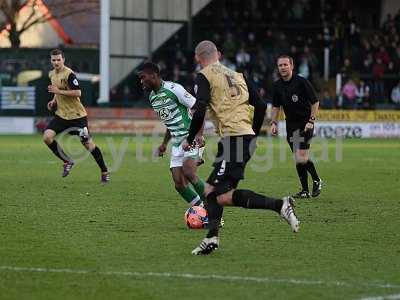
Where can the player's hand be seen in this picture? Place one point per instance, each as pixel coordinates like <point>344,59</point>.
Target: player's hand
<point>161,150</point>
<point>53,89</point>
<point>51,105</point>
<point>200,141</point>
<point>309,126</point>
<point>186,146</point>
<point>274,129</point>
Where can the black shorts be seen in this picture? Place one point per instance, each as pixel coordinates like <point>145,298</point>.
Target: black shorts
<point>232,157</point>
<point>297,137</point>
<point>77,127</point>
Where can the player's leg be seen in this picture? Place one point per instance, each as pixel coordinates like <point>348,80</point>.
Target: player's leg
<point>296,139</point>
<point>98,157</point>
<point>304,166</point>
<point>189,168</point>
<point>301,157</point>
<point>214,211</point>
<point>309,165</point>
<point>181,183</point>
<point>49,140</point>
<point>56,126</point>
<point>242,198</point>
<point>225,178</point>
<point>252,200</point>
<point>88,143</point>
<point>183,188</point>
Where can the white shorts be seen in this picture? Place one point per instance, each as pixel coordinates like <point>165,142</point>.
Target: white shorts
<point>178,155</point>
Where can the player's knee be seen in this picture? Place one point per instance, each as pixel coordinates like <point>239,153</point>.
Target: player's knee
<point>225,199</point>
<point>208,189</point>
<point>301,161</point>
<point>189,170</point>
<point>190,174</point>
<point>179,184</point>
<point>48,138</point>
<point>301,158</point>
<point>90,146</point>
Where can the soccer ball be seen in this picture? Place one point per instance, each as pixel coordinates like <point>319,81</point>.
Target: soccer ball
<point>196,217</point>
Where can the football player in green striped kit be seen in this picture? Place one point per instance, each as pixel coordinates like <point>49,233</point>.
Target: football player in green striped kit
<point>173,104</point>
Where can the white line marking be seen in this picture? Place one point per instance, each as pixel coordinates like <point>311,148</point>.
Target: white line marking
<point>25,161</point>
<point>205,277</point>
<point>388,297</point>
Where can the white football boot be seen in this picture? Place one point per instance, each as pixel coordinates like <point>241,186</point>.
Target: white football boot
<point>206,246</point>
<point>287,213</point>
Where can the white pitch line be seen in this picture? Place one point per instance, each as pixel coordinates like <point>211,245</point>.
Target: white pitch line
<point>204,277</point>
<point>388,297</point>
<point>25,161</point>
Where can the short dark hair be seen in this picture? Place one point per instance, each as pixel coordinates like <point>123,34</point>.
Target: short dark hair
<point>150,67</point>
<point>57,52</point>
<point>285,56</point>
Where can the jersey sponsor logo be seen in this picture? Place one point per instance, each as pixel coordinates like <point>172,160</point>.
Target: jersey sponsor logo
<point>295,98</point>
<point>75,82</point>
<point>157,103</point>
<point>161,101</point>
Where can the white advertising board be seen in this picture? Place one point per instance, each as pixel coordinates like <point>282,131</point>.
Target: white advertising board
<point>17,125</point>
<point>15,97</point>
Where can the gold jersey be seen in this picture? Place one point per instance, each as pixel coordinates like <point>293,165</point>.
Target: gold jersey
<point>68,107</point>
<point>230,110</point>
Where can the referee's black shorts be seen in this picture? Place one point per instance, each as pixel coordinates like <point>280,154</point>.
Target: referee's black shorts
<point>77,127</point>
<point>233,154</point>
<point>297,137</point>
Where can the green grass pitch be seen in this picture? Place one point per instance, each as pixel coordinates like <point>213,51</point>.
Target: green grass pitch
<point>72,238</point>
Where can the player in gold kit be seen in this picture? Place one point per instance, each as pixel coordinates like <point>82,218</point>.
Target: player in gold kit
<point>238,113</point>
<point>70,115</point>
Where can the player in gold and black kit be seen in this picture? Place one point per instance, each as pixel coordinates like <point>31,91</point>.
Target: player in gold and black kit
<point>238,114</point>
<point>70,115</point>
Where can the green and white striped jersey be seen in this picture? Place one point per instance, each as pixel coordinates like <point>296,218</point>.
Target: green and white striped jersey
<point>172,103</point>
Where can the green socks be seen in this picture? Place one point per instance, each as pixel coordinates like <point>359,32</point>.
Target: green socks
<point>199,188</point>
<point>189,195</point>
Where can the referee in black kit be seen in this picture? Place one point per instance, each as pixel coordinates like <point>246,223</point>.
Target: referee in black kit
<point>300,104</point>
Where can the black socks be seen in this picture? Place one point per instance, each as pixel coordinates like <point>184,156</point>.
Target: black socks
<point>311,169</point>
<point>303,176</point>
<point>214,215</point>
<point>252,200</point>
<point>302,170</point>
<point>58,151</point>
<point>96,153</point>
